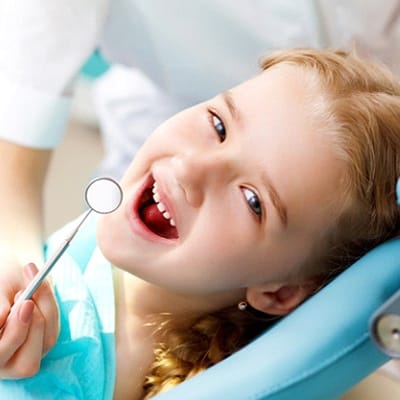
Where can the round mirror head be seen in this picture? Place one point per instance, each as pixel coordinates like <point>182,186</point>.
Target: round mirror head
<point>103,195</point>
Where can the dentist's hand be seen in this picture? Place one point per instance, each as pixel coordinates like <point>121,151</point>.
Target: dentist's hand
<point>31,329</point>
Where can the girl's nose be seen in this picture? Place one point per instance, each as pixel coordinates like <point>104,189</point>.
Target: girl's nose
<point>201,173</point>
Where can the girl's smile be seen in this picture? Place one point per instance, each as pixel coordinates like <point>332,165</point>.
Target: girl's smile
<point>152,214</point>
<point>229,193</point>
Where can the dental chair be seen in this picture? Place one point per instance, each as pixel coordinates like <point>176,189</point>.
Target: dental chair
<point>327,345</point>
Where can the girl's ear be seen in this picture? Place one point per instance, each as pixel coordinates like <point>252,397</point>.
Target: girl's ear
<point>279,299</point>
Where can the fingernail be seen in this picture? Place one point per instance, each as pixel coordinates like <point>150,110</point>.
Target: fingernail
<point>25,312</point>
<point>31,270</point>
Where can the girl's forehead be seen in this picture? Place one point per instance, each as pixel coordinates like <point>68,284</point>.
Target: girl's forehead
<point>281,83</point>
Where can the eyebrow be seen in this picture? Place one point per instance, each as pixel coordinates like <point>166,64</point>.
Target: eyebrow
<point>230,103</point>
<point>276,200</point>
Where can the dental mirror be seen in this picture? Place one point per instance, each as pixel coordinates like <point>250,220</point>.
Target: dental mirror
<point>103,195</point>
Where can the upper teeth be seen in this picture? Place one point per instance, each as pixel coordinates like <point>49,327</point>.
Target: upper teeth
<point>161,206</point>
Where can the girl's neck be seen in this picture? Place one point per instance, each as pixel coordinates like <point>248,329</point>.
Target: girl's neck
<point>142,300</point>
<point>139,306</point>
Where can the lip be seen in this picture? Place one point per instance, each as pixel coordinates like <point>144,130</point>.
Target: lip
<point>132,211</point>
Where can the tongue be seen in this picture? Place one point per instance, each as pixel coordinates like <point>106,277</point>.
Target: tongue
<point>154,220</point>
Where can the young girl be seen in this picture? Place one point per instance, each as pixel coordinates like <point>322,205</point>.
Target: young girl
<point>255,198</point>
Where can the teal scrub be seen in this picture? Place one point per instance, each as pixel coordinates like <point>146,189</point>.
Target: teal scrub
<point>82,363</point>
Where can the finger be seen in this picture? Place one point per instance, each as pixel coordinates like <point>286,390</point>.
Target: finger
<point>6,302</point>
<point>15,330</point>
<point>17,295</point>
<point>8,313</point>
<point>45,300</point>
<point>26,360</point>
<point>30,270</point>
<point>5,306</point>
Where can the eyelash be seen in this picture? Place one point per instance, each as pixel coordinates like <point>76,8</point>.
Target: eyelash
<point>213,116</point>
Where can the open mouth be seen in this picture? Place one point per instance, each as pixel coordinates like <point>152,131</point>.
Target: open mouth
<point>154,214</point>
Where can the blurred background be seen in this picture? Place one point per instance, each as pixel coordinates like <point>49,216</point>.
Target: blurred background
<point>73,163</point>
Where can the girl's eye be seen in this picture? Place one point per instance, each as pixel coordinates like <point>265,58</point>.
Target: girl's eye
<point>253,201</point>
<point>219,126</point>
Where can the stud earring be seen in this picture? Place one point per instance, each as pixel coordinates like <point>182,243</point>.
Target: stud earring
<point>242,305</point>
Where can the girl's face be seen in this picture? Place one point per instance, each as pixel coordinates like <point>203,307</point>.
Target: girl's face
<point>245,182</point>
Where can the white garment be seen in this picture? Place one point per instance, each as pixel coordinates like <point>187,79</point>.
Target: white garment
<point>43,43</point>
<point>192,50</point>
